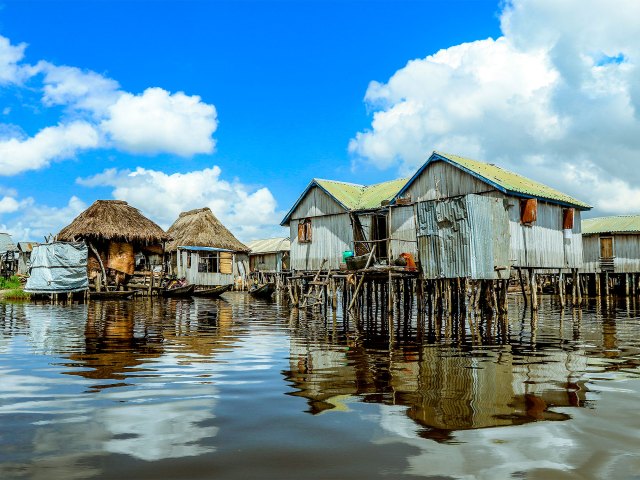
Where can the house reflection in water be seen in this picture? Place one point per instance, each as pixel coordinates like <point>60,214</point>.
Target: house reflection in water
<point>444,388</point>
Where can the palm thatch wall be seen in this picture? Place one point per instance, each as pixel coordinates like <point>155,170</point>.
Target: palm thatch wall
<point>200,228</point>
<point>113,220</point>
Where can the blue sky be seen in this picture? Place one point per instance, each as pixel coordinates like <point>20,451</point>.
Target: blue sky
<point>237,105</point>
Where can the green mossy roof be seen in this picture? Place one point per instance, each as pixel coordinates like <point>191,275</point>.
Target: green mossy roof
<point>512,182</point>
<point>617,224</point>
<point>362,197</point>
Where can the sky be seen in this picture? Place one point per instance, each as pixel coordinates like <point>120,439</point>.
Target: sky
<point>238,105</point>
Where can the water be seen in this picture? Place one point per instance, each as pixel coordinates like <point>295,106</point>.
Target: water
<point>238,388</point>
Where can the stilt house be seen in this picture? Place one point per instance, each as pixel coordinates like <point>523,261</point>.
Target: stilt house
<point>270,255</point>
<point>476,220</point>
<point>333,217</point>
<point>612,248</point>
<point>24,256</point>
<point>115,232</point>
<point>8,255</point>
<point>204,251</point>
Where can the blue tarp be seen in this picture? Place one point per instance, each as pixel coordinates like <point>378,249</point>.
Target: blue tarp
<point>58,267</point>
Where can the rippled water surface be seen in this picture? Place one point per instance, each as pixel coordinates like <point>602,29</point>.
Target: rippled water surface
<point>238,388</point>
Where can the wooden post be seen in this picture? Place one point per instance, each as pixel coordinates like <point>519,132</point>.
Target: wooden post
<point>578,289</point>
<point>561,288</point>
<point>596,277</point>
<point>522,289</point>
<point>104,273</point>
<point>534,289</point>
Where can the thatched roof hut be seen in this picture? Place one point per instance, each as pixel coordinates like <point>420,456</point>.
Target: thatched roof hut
<point>200,228</point>
<point>113,220</point>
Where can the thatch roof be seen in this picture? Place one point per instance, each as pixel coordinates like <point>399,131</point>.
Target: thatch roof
<point>200,228</point>
<point>113,220</point>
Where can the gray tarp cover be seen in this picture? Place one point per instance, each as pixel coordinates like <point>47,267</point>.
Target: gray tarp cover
<point>58,267</point>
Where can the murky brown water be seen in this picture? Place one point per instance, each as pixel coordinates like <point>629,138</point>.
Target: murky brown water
<point>238,388</point>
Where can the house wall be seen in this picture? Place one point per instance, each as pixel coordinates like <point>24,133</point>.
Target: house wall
<point>331,235</point>
<point>200,278</point>
<point>265,262</point>
<point>541,245</point>
<point>316,203</point>
<point>626,252</point>
<point>402,225</point>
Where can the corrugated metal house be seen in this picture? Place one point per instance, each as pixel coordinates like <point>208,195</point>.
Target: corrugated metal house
<point>477,220</point>
<point>24,256</point>
<point>269,255</point>
<point>204,251</point>
<point>332,217</point>
<point>8,254</point>
<point>611,244</point>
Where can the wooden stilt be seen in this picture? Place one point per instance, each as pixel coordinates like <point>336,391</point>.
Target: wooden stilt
<point>534,289</point>
<point>561,288</point>
<point>524,293</point>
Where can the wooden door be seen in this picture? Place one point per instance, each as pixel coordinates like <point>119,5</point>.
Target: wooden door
<point>606,247</point>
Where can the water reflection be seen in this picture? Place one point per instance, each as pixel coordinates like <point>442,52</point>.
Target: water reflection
<point>89,390</point>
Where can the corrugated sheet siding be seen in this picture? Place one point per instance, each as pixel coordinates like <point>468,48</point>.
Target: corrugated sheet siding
<point>403,231</point>
<point>331,236</point>
<point>463,237</point>
<point>442,180</point>
<point>265,262</point>
<point>542,245</point>
<point>199,278</point>
<point>316,203</point>
<point>626,252</point>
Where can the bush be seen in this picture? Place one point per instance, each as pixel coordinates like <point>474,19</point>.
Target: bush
<point>11,282</point>
<point>16,294</point>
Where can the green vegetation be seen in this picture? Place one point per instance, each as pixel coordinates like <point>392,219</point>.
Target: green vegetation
<point>16,294</point>
<point>10,283</point>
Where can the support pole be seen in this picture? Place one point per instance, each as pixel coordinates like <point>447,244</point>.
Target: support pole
<point>534,289</point>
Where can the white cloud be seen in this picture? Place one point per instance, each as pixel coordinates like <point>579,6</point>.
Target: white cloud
<point>51,143</point>
<point>35,221</point>
<point>249,213</point>
<point>157,121</point>
<point>8,204</point>
<point>558,92</point>
<point>98,114</point>
<point>10,56</point>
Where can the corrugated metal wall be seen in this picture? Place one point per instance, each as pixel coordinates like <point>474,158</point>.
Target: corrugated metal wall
<point>543,244</point>
<point>316,203</point>
<point>626,252</point>
<point>200,278</point>
<point>463,237</point>
<point>266,262</point>
<point>331,235</point>
<point>441,180</point>
<point>403,231</point>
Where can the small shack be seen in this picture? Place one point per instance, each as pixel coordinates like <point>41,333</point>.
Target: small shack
<point>331,217</point>
<point>115,232</point>
<point>58,267</point>
<point>611,247</point>
<point>8,255</point>
<point>270,255</point>
<point>24,256</point>
<point>204,251</point>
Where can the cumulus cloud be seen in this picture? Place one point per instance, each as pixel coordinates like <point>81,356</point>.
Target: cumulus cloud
<point>51,143</point>
<point>36,221</point>
<point>248,212</point>
<point>557,92</point>
<point>10,57</point>
<point>99,114</point>
<point>157,121</point>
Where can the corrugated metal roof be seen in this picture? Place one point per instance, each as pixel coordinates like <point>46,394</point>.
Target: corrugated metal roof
<point>352,196</point>
<point>270,245</point>
<point>6,244</point>
<point>616,224</point>
<point>504,180</point>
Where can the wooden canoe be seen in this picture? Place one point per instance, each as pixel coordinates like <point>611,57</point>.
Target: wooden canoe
<point>211,292</point>
<point>263,290</point>
<point>114,295</point>
<point>184,291</point>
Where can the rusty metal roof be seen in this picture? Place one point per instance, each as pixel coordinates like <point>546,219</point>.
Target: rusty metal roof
<point>615,224</point>
<point>269,245</point>
<point>503,180</point>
